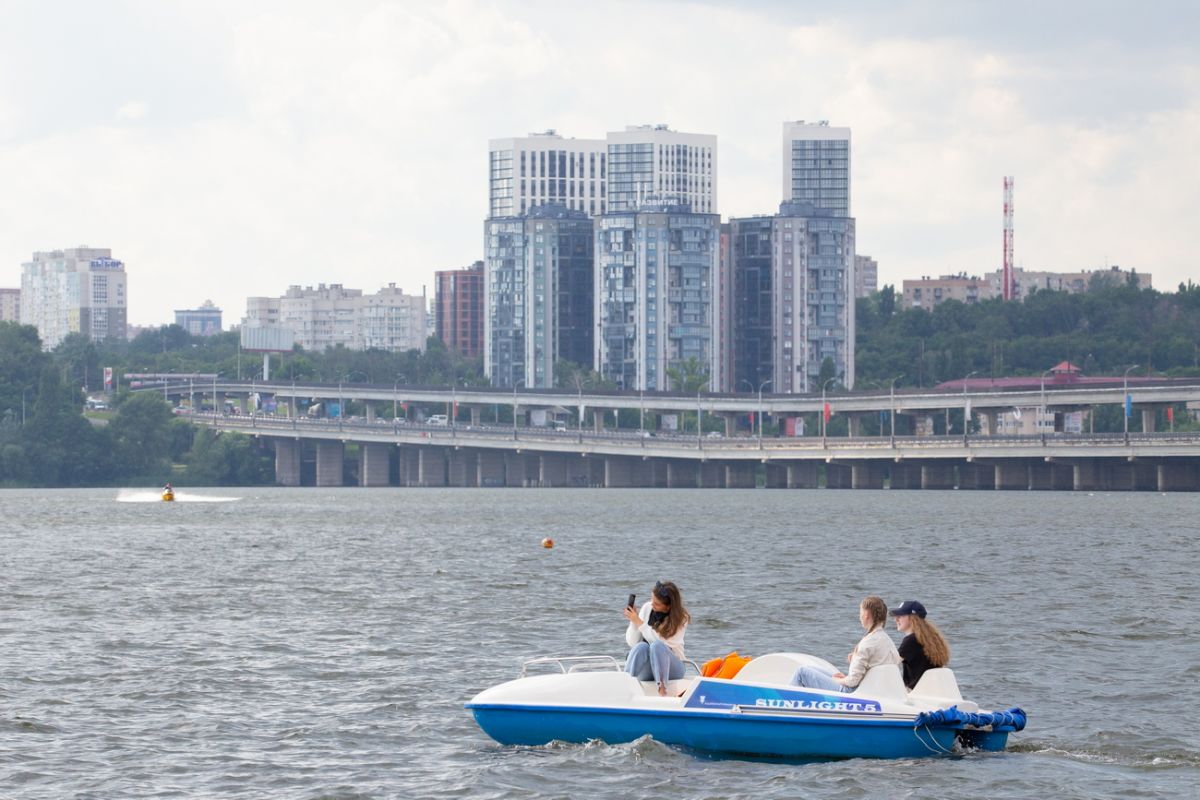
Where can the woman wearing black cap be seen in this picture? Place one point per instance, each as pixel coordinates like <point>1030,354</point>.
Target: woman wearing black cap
<point>923,646</point>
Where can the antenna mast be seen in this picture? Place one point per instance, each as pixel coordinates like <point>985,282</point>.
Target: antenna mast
<point>1007,275</point>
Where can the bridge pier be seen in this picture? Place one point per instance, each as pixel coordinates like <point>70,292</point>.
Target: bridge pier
<point>838,476</point>
<point>626,472</point>
<point>476,415</point>
<point>803,475</point>
<point>904,475</point>
<point>489,468</point>
<point>972,475</point>
<point>373,464</point>
<point>521,469</point>
<point>431,466</point>
<point>1178,476</point>
<point>287,462</point>
<point>410,465</point>
<point>1041,476</point>
<point>1149,418</point>
<point>712,476</point>
<point>741,475</point>
<point>1085,475</point>
<point>462,467</point>
<point>775,476</point>
<point>330,456</point>
<point>938,475</point>
<point>682,474</point>
<point>855,425</point>
<point>867,475</point>
<point>1012,475</point>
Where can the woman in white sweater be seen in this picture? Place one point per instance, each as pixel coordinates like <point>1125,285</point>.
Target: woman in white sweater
<point>872,650</point>
<point>655,636</point>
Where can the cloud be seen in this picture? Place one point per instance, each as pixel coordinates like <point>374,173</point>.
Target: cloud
<point>257,146</point>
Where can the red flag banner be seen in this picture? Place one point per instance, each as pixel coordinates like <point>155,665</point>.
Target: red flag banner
<point>1170,414</point>
<point>828,413</point>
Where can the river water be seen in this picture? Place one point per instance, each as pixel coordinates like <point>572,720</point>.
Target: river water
<point>313,643</point>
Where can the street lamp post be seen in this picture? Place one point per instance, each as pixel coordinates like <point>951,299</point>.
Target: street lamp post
<point>516,383</point>
<point>824,424</point>
<point>892,392</point>
<point>1126,401</point>
<point>760,412</point>
<point>1042,418</point>
<point>341,404</point>
<point>966,412</point>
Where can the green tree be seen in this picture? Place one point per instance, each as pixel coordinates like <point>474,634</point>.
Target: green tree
<point>688,376</point>
<point>142,437</point>
<point>78,357</point>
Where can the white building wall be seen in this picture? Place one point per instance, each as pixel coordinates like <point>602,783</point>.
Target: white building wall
<point>513,191</point>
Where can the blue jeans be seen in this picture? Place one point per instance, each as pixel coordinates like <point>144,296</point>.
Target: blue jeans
<point>818,678</point>
<point>653,661</point>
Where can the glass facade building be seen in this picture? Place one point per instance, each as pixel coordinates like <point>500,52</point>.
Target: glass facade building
<point>816,166</point>
<point>654,164</point>
<point>656,271</point>
<point>793,297</point>
<point>538,279</point>
<point>546,169</point>
<point>202,321</point>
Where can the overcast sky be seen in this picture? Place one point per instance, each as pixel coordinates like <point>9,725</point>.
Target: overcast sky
<point>228,149</point>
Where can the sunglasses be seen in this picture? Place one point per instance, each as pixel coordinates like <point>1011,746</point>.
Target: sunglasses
<point>662,592</point>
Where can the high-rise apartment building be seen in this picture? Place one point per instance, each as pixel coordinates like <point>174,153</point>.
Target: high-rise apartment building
<point>656,165</point>
<point>546,168</point>
<point>10,305</point>
<point>333,315</point>
<point>792,279</point>
<point>816,165</point>
<point>79,290</point>
<point>459,308</point>
<point>656,271</point>
<point>866,276</point>
<point>538,279</point>
<point>202,321</point>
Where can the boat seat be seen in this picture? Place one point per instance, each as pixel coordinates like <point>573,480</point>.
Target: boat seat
<point>938,684</point>
<point>674,688</point>
<point>884,681</point>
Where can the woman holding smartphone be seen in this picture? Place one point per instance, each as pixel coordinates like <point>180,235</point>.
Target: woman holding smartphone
<point>655,636</point>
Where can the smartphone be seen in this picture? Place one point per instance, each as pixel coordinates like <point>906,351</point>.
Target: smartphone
<point>632,598</point>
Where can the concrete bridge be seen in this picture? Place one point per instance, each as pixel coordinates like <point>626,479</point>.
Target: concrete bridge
<point>396,453</point>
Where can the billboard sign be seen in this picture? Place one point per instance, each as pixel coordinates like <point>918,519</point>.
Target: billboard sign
<point>268,339</point>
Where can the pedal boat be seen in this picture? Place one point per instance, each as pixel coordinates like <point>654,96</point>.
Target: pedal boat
<point>756,713</point>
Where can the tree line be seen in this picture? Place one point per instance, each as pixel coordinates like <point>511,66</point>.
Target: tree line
<point>45,440</point>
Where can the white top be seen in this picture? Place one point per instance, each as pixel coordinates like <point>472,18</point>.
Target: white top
<point>643,632</point>
<point>872,650</point>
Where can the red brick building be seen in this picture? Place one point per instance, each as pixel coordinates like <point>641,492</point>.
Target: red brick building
<point>459,309</point>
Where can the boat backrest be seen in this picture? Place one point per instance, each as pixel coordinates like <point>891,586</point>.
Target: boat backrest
<point>883,681</point>
<point>777,668</point>
<point>938,682</point>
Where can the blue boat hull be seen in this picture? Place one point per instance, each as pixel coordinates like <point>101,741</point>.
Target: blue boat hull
<point>743,734</point>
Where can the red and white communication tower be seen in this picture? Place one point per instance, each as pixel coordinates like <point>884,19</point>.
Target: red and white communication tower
<point>1007,285</point>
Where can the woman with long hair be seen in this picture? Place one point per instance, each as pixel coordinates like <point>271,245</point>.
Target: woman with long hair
<point>872,650</point>
<point>923,646</point>
<point>655,636</point>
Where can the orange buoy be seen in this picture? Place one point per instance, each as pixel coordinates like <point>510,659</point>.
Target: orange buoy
<point>547,543</point>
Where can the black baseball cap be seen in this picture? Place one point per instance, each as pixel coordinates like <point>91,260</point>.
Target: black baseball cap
<point>909,607</point>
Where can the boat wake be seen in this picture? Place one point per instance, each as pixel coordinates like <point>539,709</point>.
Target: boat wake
<point>145,496</point>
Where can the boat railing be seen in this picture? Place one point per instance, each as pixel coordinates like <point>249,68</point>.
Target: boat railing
<point>569,664</point>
